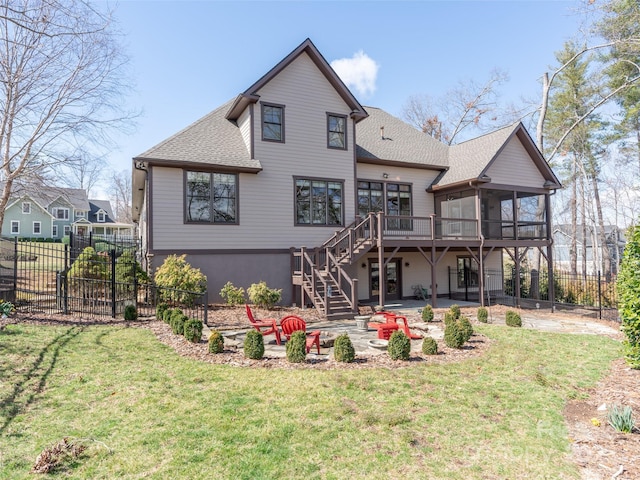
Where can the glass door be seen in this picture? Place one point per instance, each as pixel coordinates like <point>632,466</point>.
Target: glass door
<point>391,281</point>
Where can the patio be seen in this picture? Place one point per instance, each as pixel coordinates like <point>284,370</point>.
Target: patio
<point>362,339</point>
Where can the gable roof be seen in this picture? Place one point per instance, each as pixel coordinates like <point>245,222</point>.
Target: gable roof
<point>96,206</point>
<point>383,138</point>
<point>44,196</point>
<point>470,160</point>
<point>212,140</point>
<point>250,96</point>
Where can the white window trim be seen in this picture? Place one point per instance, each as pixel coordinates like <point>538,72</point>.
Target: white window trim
<point>33,228</point>
<point>57,209</point>
<point>101,217</point>
<point>28,205</point>
<point>17,224</point>
<point>67,230</point>
<point>80,214</point>
<point>54,231</point>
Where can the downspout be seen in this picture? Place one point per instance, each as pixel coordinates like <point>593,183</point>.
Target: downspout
<point>142,167</point>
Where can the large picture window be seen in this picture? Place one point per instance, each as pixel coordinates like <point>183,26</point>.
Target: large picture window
<point>393,199</point>
<point>273,122</point>
<point>337,131</point>
<point>211,197</point>
<point>318,202</point>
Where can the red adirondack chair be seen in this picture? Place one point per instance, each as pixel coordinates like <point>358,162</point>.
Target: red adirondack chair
<point>265,326</point>
<point>386,329</point>
<point>293,323</point>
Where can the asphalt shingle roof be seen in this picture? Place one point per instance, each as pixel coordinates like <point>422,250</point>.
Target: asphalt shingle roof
<point>468,159</point>
<point>401,143</point>
<point>212,140</point>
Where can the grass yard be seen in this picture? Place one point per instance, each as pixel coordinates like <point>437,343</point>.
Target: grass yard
<point>142,411</point>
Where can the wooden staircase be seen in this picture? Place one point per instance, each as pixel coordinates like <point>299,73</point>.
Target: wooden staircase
<point>321,272</point>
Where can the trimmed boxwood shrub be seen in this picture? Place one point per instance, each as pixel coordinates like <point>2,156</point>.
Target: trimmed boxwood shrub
<point>177,321</point>
<point>254,345</point>
<point>483,315</point>
<point>427,313</point>
<point>512,318</point>
<point>216,342</point>
<point>455,310</point>
<point>343,350</point>
<point>296,347</point>
<point>453,337</point>
<point>193,330</point>
<point>130,313</point>
<point>465,327</point>
<point>429,346</point>
<point>449,318</point>
<point>160,309</point>
<point>399,347</point>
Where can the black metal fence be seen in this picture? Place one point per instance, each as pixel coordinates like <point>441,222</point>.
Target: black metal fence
<point>592,295</point>
<point>65,278</point>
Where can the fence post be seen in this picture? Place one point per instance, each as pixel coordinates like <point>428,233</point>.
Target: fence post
<point>206,307</point>
<point>599,296</point>
<point>112,255</point>
<point>15,269</point>
<point>65,281</point>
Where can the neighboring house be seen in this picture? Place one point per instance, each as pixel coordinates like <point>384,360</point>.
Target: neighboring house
<point>615,240</point>
<point>294,182</point>
<point>52,212</point>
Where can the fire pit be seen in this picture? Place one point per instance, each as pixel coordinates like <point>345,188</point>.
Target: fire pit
<point>378,344</point>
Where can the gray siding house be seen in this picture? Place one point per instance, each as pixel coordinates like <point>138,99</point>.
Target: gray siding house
<point>294,182</point>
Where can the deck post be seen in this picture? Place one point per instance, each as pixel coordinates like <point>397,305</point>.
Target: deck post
<point>382,277</point>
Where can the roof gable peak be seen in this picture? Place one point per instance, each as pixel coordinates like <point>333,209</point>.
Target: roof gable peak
<point>249,95</point>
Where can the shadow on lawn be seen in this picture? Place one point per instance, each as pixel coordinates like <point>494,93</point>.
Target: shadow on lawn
<point>24,393</point>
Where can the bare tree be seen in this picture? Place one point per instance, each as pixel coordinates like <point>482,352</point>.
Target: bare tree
<point>61,85</point>
<point>120,186</point>
<point>81,171</point>
<point>468,106</point>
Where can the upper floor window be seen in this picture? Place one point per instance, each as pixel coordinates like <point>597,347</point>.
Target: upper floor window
<point>26,207</point>
<point>101,217</point>
<point>318,202</point>
<point>80,213</point>
<point>337,131</point>
<point>211,197</point>
<point>60,213</point>
<point>273,122</point>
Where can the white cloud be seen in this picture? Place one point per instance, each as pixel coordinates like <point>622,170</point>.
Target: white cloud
<point>359,72</point>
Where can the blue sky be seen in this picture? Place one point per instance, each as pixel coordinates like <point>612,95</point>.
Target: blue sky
<point>187,58</point>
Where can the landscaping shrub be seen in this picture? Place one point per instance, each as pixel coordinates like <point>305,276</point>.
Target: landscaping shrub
<point>429,346</point>
<point>296,347</point>
<point>512,318</point>
<point>483,315</point>
<point>88,273</point>
<point>455,311</point>
<point>166,315</point>
<point>453,337</point>
<point>177,321</point>
<point>343,350</point>
<point>232,295</point>
<point>216,342</point>
<point>465,327</point>
<point>129,271</point>
<point>621,419</point>
<point>629,296</point>
<point>427,313</point>
<point>449,318</point>
<point>130,313</point>
<point>399,347</point>
<point>254,345</point>
<point>263,296</point>
<point>179,281</point>
<point>193,330</point>
<point>160,309</point>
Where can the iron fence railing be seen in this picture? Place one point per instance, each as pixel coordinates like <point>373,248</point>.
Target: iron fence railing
<point>64,278</point>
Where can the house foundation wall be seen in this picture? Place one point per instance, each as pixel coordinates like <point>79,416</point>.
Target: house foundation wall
<point>241,269</point>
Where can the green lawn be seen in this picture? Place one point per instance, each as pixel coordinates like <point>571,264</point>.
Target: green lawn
<point>144,412</point>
